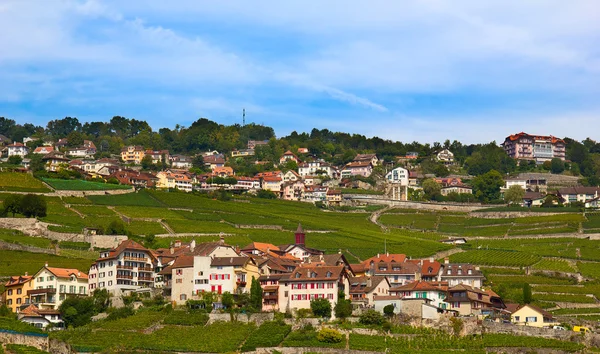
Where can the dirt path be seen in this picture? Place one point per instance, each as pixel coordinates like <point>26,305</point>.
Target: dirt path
<point>374,218</point>
<point>167,227</point>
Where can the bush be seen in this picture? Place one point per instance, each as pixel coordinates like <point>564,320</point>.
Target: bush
<point>329,335</point>
<point>371,317</point>
<point>122,312</point>
<point>266,194</point>
<point>303,313</point>
<point>321,307</point>
<point>343,308</point>
<point>388,310</point>
<point>116,227</point>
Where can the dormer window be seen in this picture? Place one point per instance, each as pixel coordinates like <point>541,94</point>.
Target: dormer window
<point>460,272</point>
<point>297,275</point>
<point>328,275</point>
<point>429,270</point>
<point>449,272</point>
<point>470,271</point>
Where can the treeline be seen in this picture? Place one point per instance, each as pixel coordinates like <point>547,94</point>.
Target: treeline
<point>337,148</point>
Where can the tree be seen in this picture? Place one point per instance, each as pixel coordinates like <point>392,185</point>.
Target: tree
<point>514,195</point>
<point>371,317</point>
<point>36,163</point>
<point>266,194</point>
<point>487,186</point>
<point>12,204</point>
<point>527,296</point>
<point>74,139</point>
<point>101,300</point>
<point>557,166</point>
<point>116,227</point>
<point>77,311</point>
<point>343,308</point>
<point>15,160</point>
<point>431,188</point>
<point>321,307</point>
<point>227,300</point>
<point>256,293</point>
<point>388,310</point>
<point>33,205</point>
<point>198,161</point>
<point>147,162</point>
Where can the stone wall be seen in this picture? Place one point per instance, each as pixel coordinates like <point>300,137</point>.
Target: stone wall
<point>189,234</point>
<point>369,199</point>
<point>509,214</point>
<point>302,350</point>
<point>265,227</point>
<point>19,247</point>
<point>62,193</point>
<point>41,342</point>
<point>257,318</point>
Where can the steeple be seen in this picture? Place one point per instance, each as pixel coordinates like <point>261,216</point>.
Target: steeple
<point>300,235</point>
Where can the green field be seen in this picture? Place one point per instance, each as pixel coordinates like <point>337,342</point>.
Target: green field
<point>21,182</point>
<point>13,236</point>
<point>81,185</point>
<point>17,262</point>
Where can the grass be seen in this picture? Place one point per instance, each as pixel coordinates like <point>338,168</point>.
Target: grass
<point>148,212</point>
<point>591,270</point>
<point>141,198</point>
<point>18,262</point>
<point>495,258</point>
<point>531,279</point>
<point>23,349</point>
<point>93,210</point>
<point>13,236</point>
<point>360,191</point>
<point>145,228</point>
<point>21,182</point>
<point>81,185</point>
<point>308,338</point>
<point>580,311</point>
<point>581,299</point>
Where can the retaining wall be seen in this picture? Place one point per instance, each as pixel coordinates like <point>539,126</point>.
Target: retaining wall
<point>18,247</point>
<point>257,318</point>
<point>38,341</point>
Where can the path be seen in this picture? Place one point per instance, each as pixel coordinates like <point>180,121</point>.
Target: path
<point>374,218</point>
<point>68,206</point>
<point>167,227</point>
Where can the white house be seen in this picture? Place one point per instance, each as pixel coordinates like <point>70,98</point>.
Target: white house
<point>445,156</point>
<point>41,318</point>
<point>17,149</point>
<point>435,292</point>
<point>314,168</point>
<point>54,285</point>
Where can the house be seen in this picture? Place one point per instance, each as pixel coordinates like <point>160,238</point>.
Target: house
<point>530,315</point>
<point>293,190</point>
<point>135,178</point>
<point>179,279</point>
<point>313,168</point>
<point>298,249</point>
<point>61,143</point>
<point>335,259</point>
<point>43,150</point>
<point>242,153</point>
<point>397,273</point>
<point>462,273</point>
<point>445,156</point>
<point>311,180</point>
<point>459,189</point>
<point>291,176</point>
<point>509,182</point>
<point>381,301</point>
<point>180,161</point>
<point>54,285</point>
<point>133,154</point>
<point>454,241</point>
<point>334,196</point>
<point>272,184</point>
<point>41,318</point>
<point>398,181</point>
<point>88,149</point>
<point>54,161</point>
<point>288,156</point>
<point>262,249</point>
<point>315,194</point>
<point>467,300</point>
<point>232,274</point>
<point>271,284</point>
<point>538,148</point>
<point>15,291</point>
<point>174,179</point>
<point>358,168</point>
<point>364,289</point>
<point>534,199</point>
<point>224,171</point>
<point>435,292</point>
<point>129,266</point>
<point>303,150</point>
<point>578,194</point>
<point>252,144</point>
<point>430,269</point>
<point>371,158</point>
<point>158,155</point>
<point>214,161</point>
<point>16,149</point>
<point>247,183</point>
<point>4,140</point>
<point>309,282</point>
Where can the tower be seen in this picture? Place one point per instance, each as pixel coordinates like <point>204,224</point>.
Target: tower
<point>300,235</point>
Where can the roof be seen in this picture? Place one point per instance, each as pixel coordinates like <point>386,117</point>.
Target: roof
<point>388,257</point>
<point>273,277</point>
<point>67,272</point>
<point>358,268</point>
<point>358,164</point>
<point>579,190</point>
<point>299,230</point>
<point>229,261</point>
<point>43,149</point>
<point>364,157</point>
<point>186,261</point>
<point>16,144</point>
<point>135,148</point>
<point>333,259</point>
<point>205,249</point>
<point>511,308</point>
<point>386,297</point>
<point>312,272</point>
<point>361,284</point>
<point>548,138</point>
<point>429,267</point>
<point>473,294</point>
<point>18,280</point>
<point>127,244</point>
<point>464,268</point>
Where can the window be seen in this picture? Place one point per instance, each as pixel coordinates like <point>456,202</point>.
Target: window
<point>517,318</point>
<point>62,288</point>
<point>183,297</point>
<point>110,273</point>
<point>82,288</point>
<point>531,319</point>
<point>50,278</point>
<point>178,281</point>
<point>10,292</point>
<point>9,302</point>
<point>40,279</point>
<point>470,271</point>
<point>18,301</point>
<point>19,291</point>
<point>330,296</point>
<point>449,272</point>
<point>72,289</point>
<point>110,264</point>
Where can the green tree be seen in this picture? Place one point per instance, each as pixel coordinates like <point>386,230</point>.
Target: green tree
<point>388,310</point>
<point>487,186</point>
<point>343,308</point>
<point>14,160</point>
<point>514,195</point>
<point>74,139</point>
<point>12,204</point>
<point>35,163</point>
<point>227,300</point>
<point>256,293</point>
<point>101,300</point>
<point>147,162</point>
<point>77,311</point>
<point>527,295</point>
<point>266,194</point>
<point>431,188</point>
<point>116,227</point>
<point>371,317</point>
<point>33,205</point>
<point>321,307</point>
<point>557,166</point>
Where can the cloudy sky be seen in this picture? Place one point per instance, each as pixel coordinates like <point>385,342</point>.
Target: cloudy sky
<point>425,70</point>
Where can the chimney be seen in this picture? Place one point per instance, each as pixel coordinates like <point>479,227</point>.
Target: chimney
<point>192,245</point>
<point>369,282</point>
<point>377,255</point>
<point>387,254</point>
<point>230,260</point>
<point>178,243</point>
<point>446,260</point>
<point>308,273</point>
<point>46,264</point>
<point>300,235</point>
<point>477,268</point>
<point>26,273</point>
<point>171,249</point>
<point>221,239</point>
<point>321,258</point>
<point>78,274</point>
<point>431,259</point>
<point>340,251</point>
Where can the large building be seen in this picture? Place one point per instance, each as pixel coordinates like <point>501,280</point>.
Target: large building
<point>538,148</point>
<point>54,285</point>
<point>15,291</point>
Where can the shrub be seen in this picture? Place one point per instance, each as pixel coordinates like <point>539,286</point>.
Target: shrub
<point>457,325</point>
<point>371,317</point>
<point>321,307</point>
<point>303,313</point>
<point>388,310</point>
<point>119,313</point>
<point>329,335</point>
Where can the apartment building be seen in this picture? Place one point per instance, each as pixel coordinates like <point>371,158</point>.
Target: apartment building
<point>461,273</point>
<point>53,285</point>
<point>129,266</point>
<point>539,148</point>
<point>15,291</point>
<point>174,179</point>
<point>133,154</point>
<point>435,292</point>
<point>314,168</point>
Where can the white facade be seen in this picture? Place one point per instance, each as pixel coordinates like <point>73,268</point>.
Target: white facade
<point>311,169</point>
<point>17,149</point>
<point>130,269</point>
<point>54,285</point>
<point>398,175</point>
<point>516,182</point>
<point>202,274</point>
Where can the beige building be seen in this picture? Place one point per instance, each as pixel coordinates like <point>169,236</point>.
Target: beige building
<point>133,154</point>
<point>530,315</point>
<point>363,290</point>
<point>54,285</point>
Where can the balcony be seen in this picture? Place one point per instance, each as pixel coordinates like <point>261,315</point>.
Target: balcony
<point>146,269</point>
<point>136,259</point>
<point>50,291</point>
<point>124,267</point>
<point>123,276</point>
<point>241,283</point>
<point>145,279</point>
<point>270,297</point>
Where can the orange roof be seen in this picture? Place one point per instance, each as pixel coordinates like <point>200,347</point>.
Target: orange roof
<point>18,280</point>
<point>422,285</point>
<point>397,257</point>
<point>549,138</point>
<point>67,272</point>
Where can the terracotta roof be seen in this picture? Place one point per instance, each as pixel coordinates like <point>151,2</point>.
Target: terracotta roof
<point>67,272</point>
<point>358,164</point>
<point>125,245</point>
<point>16,144</point>
<point>205,249</point>
<point>329,259</point>
<point>358,268</point>
<point>186,261</point>
<point>389,257</point>
<point>386,297</point>
<point>310,272</point>
<point>18,280</point>
<point>421,285</point>
<point>428,267</point>
<point>271,179</point>
<point>269,277</point>
<point>549,138</point>
<point>40,149</point>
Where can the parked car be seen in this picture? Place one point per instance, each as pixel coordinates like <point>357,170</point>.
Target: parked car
<point>560,328</point>
<point>581,329</point>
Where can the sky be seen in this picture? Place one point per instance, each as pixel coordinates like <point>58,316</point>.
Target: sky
<point>421,70</point>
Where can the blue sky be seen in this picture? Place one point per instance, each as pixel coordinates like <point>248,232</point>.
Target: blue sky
<point>427,70</point>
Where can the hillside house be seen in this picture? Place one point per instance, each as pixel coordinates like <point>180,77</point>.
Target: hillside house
<point>214,161</point>
<point>288,156</point>
<point>358,168</point>
<point>16,149</point>
<point>462,273</point>
<point>371,158</point>
<point>291,176</point>
<point>363,290</point>
<point>15,291</point>
<point>133,154</point>
<point>41,318</point>
<point>435,292</point>
<point>530,315</point>
<point>578,194</point>
<point>293,191</point>
<point>445,156</point>
<point>458,189</point>
<point>54,285</point>
<point>272,184</point>
<point>174,179</point>
<point>43,150</point>
<point>55,161</point>
<point>247,183</point>
<point>467,300</point>
<point>242,153</point>
<point>334,196</point>
<point>180,161</point>
<point>158,155</point>
<point>224,171</point>
<point>315,168</point>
